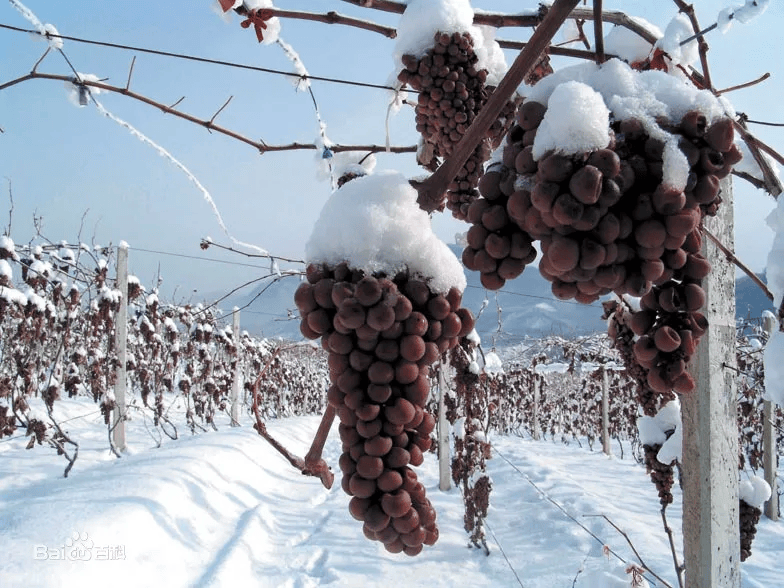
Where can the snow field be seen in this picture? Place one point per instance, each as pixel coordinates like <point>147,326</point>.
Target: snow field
<point>224,509</point>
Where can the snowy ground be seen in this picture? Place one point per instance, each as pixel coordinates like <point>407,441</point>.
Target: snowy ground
<point>223,509</point>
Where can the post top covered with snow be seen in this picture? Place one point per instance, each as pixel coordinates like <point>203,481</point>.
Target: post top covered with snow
<point>374,223</point>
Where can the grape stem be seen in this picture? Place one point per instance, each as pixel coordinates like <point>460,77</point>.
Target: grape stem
<point>431,191</point>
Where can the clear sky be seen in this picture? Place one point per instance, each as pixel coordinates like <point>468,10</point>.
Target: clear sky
<point>77,170</point>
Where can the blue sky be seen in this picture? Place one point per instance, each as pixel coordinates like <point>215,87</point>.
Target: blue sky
<point>74,168</point>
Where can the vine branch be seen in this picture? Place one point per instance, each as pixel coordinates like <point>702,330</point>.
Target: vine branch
<point>313,464</point>
<point>760,79</point>
<point>260,145</point>
<point>633,548</point>
<point>742,266</point>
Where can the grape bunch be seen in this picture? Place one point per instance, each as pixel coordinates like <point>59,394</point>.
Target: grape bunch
<point>661,474</point>
<point>749,519</point>
<point>606,219</point>
<point>609,220</point>
<point>381,335</point>
<point>496,246</point>
<point>452,90</point>
<point>619,319</point>
<point>669,326</point>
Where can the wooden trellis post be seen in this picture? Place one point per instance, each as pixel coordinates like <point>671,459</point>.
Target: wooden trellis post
<point>770,455</point>
<point>605,411</point>
<point>444,465</point>
<point>121,344</point>
<point>710,431</point>
<point>537,392</point>
<point>236,384</point>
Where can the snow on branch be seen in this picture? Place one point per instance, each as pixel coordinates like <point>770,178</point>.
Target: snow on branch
<point>209,124</point>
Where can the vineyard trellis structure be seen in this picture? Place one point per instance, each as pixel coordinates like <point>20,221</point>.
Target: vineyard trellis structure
<point>201,364</point>
<point>710,471</point>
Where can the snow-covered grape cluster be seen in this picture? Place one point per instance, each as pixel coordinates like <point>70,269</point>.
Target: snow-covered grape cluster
<point>606,219</point>
<point>609,220</point>
<point>381,334</point>
<point>749,519</point>
<point>452,90</point>
<point>662,475</point>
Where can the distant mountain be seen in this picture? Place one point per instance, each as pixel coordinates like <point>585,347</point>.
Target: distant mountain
<point>527,309</point>
<point>750,300</point>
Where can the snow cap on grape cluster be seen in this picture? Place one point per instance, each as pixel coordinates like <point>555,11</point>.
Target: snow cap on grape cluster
<point>755,491</point>
<point>654,431</point>
<point>374,224</point>
<point>424,18</point>
<point>627,94</point>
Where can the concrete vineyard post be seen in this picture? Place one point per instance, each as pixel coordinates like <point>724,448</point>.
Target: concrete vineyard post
<point>237,383</point>
<point>710,431</point>
<point>121,342</point>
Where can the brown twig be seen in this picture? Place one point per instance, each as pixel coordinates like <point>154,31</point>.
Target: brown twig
<point>130,73</point>
<point>598,35</point>
<point>679,567</point>
<point>331,17</point>
<point>309,466</point>
<point>634,549</point>
<point>169,109</point>
<point>532,19</point>
<point>772,183</point>
<point>261,146</point>
<point>214,116</point>
<point>765,123</point>
<point>562,51</point>
<point>759,184</point>
<point>742,266</point>
<point>314,464</point>
<point>688,10</point>
<point>431,191</point>
<point>760,79</point>
<point>496,20</point>
<point>206,244</point>
<point>37,63</point>
<point>582,36</point>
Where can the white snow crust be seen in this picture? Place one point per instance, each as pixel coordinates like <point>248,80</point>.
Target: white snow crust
<point>755,491</point>
<point>774,351</point>
<point>654,431</point>
<point>374,224</point>
<point>677,31</point>
<point>424,18</point>
<point>576,120</point>
<point>628,45</point>
<point>627,94</point>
